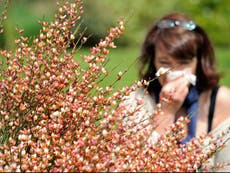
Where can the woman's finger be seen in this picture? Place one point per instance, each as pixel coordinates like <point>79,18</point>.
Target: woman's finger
<point>175,91</point>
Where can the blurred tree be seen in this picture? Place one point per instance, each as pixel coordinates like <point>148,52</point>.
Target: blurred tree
<point>25,14</point>
<point>99,15</point>
<point>213,15</point>
<point>3,15</point>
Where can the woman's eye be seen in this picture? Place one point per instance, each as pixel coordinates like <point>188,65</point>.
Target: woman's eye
<point>185,62</point>
<point>164,63</point>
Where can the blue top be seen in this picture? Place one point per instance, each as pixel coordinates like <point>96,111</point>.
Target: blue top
<point>191,103</point>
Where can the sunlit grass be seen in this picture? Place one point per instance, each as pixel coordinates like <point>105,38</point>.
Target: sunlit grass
<point>223,61</point>
<point>121,58</point>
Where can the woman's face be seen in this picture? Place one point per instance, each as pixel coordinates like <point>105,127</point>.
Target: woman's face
<point>162,59</point>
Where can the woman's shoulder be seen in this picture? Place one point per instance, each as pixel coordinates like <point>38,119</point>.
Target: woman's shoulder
<point>223,94</point>
<point>221,134</point>
<point>223,99</point>
<point>221,125</point>
<point>140,107</point>
<point>139,96</point>
<point>222,110</point>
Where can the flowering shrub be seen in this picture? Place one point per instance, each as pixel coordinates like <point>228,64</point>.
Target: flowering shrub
<point>55,116</point>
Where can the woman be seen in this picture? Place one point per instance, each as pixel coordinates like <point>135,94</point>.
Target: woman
<point>178,43</point>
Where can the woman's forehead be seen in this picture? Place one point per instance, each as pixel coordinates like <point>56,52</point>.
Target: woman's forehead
<point>162,52</point>
<point>171,51</point>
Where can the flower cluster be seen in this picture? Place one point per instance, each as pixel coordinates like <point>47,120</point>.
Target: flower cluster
<point>55,116</point>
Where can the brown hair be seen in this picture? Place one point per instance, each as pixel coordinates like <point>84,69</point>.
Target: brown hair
<point>180,43</point>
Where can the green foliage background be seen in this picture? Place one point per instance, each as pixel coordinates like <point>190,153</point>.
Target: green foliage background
<point>99,15</point>
<point>213,15</point>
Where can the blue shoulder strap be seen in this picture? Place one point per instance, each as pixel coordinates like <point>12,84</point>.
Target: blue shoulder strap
<point>191,104</point>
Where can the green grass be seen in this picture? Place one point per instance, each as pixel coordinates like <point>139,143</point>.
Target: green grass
<point>121,58</point>
<point>223,62</point>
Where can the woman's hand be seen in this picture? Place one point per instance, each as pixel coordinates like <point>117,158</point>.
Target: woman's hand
<point>173,94</point>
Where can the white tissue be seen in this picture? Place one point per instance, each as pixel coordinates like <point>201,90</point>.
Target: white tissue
<point>161,71</point>
<point>191,78</point>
